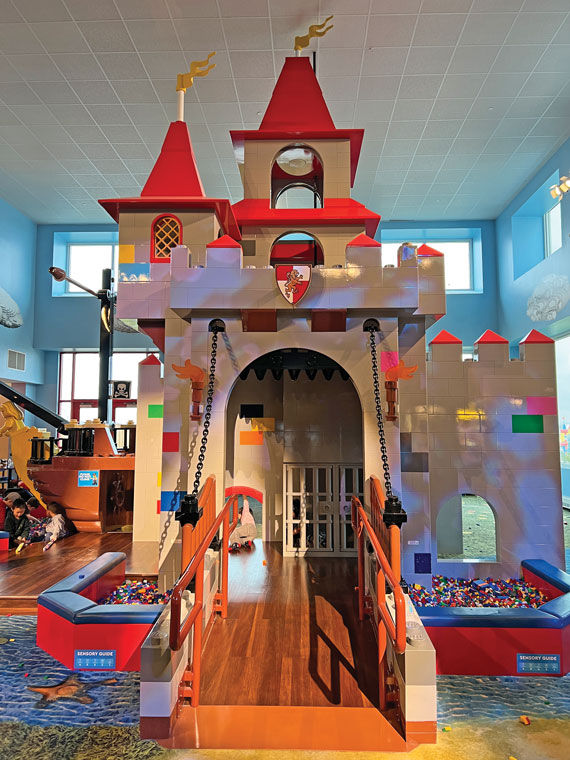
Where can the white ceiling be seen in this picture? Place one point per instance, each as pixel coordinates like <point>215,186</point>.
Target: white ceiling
<point>461,100</point>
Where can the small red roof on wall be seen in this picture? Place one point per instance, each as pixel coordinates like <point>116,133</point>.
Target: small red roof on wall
<point>426,250</point>
<point>491,337</point>
<point>224,242</point>
<point>150,360</point>
<point>363,241</point>
<point>175,172</point>
<point>536,337</point>
<point>444,337</point>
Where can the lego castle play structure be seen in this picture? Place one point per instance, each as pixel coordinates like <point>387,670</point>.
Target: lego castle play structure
<point>294,421</point>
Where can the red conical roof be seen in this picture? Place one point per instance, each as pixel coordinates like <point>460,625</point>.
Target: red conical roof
<point>536,337</point>
<point>297,101</point>
<point>444,337</point>
<point>491,337</point>
<point>175,173</point>
<point>363,241</point>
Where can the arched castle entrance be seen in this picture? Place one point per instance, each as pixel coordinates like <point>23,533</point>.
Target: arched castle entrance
<point>294,433</point>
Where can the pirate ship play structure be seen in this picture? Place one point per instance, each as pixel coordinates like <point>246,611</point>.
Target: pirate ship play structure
<point>312,358</point>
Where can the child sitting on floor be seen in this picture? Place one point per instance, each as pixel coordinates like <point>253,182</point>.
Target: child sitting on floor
<point>59,525</point>
<point>245,531</point>
<point>17,523</point>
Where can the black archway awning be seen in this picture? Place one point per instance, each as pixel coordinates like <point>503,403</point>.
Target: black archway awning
<point>294,361</point>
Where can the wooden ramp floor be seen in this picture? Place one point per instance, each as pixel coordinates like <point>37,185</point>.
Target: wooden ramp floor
<point>291,667</point>
<point>24,576</point>
<point>292,636</point>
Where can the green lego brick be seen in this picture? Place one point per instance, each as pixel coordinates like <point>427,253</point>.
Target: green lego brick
<point>156,411</point>
<point>528,423</point>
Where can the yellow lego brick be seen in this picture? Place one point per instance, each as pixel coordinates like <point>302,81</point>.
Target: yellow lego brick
<point>265,424</point>
<point>126,254</point>
<point>159,479</point>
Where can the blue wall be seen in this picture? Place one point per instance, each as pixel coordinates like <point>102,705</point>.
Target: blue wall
<point>74,318</point>
<point>468,314</point>
<point>17,254</point>
<point>514,293</point>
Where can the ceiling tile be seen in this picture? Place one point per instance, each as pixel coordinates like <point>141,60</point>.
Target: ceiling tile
<point>523,107</point>
<point>377,88</point>
<point>555,59</point>
<point>535,27</point>
<point>391,31</point>
<point>17,94</point>
<point>428,60</point>
<point>372,110</point>
<point>406,129</point>
<point>461,85</point>
<point>7,116</point>
<point>222,113</point>
<point>544,84</point>
<point>438,28</point>
<point>473,59</point>
<point>558,107</point>
<point>437,146</point>
<point>537,144</point>
<point>253,63</point>
<point>35,67</point>
<point>339,88</point>
<point>200,34</point>
<point>94,93</point>
<point>478,128</point>
<point>350,33</point>
<point>502,85</point>
<point>107,36</point>
<point>155,35</point>
<point>441,128</point>
<point>7,72</point>
<point>412,109</point>
<point>487,108</point>
<point>419,86</point>
<point>306,9</point>
<point>555,126</point>
<point>221,90</point>
<point>563,34</point>
<point>134,91</point>
<point>377,61</point>
<point>517,58</point>
<point>18,38</point>
<point>231,9</point>
<point>164,65</point>
<point>481,29</point>
<point>341,7</point>
<point>194,9</point>
<point>451,108</point>
<point>143,9</point>
<point>510,127</point>
<point>247,34</point>
<point>80,66</point>
<point>112,114</point>
<point>86,134</point>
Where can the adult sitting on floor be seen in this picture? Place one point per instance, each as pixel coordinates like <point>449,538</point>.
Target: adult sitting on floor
<point>245,530</point>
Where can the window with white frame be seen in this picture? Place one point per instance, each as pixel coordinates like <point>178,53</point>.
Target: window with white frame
<point>552,223</point>
<point>458,260</point>
<point>85,263</point>
<point>79,384</point>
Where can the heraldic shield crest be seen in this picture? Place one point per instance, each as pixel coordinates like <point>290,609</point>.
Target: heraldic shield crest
<point>293,281</point>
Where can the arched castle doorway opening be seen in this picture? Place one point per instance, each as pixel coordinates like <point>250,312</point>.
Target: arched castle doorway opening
<point>294,432</point>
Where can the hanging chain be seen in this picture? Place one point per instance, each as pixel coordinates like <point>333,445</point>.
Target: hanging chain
<point>207,414</point>
<point>394,513</point>
<point>190,511</point>
<point>379,415</point>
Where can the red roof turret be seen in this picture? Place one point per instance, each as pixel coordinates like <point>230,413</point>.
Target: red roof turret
<point>536,337</point>
<point>426,250</point>
<point>363,241</point>
<point>444,337</point>
<point>491,337</point>
<point>224,242</point>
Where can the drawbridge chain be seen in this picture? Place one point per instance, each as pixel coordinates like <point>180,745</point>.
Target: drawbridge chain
<point>189,511</point>
<point>394,513</point>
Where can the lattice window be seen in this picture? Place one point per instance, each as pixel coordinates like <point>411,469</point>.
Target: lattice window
<point>167,233</point>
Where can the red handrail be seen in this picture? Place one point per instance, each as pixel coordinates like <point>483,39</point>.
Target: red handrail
<point>179,630</point>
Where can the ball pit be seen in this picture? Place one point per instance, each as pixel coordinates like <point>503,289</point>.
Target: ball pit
<point>456,592</point>
<point>137,592</point>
